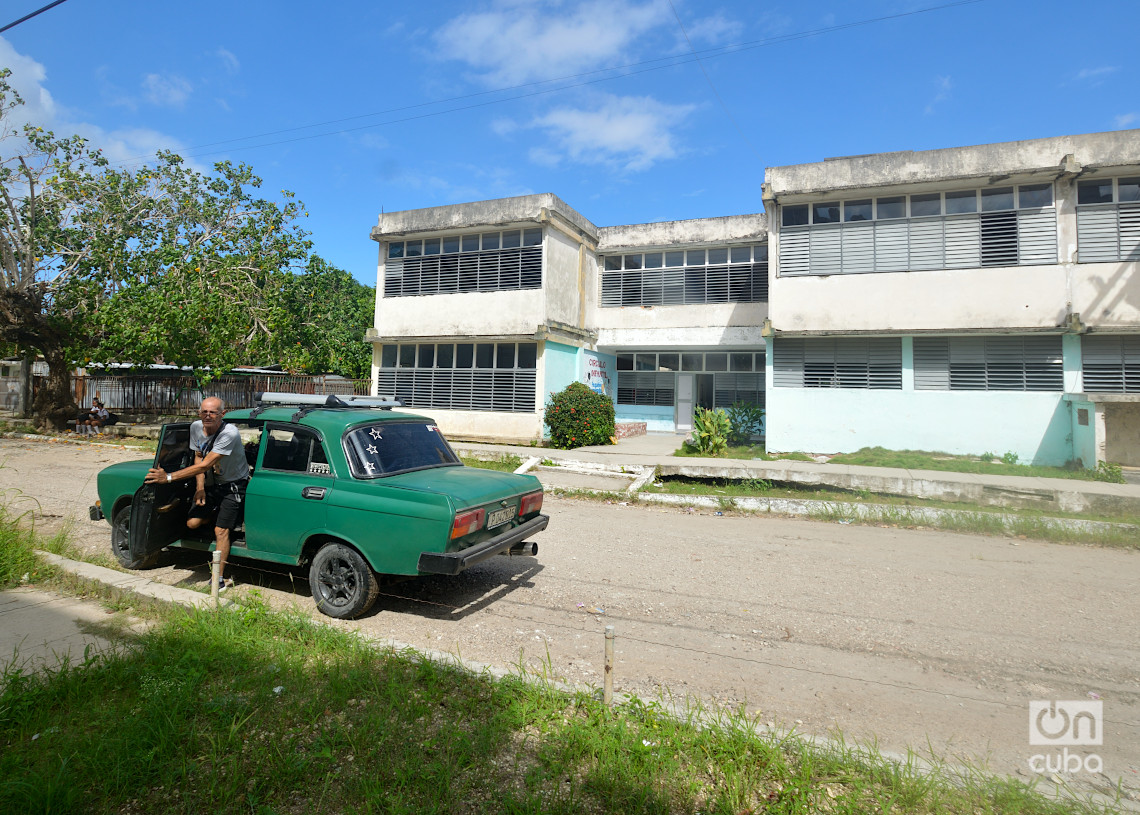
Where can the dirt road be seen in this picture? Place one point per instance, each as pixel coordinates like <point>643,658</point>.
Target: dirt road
<point>916,638</point>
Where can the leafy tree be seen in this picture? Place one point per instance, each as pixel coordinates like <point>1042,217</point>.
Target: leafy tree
<point>207,277</point>
<point>158,264</point>
<point>321,321</point>
<point>59,252</point>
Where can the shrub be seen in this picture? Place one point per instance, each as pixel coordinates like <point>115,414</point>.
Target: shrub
<point>711,429</point>
<point>1107,471</point>
<point>577,416</point>
<point>747,420</point>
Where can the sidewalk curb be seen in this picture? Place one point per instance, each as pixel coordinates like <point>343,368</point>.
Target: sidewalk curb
<point>142,586</point>
<point>863,511</point>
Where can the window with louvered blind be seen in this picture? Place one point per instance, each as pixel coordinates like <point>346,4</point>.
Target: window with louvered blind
<point>1110,364</point>
<point>988,363</point>
<point>649,377</point>
<point>719,274</point>
<point>993,226</point>
<point>1108,220</point>
<point>487,261</point>
<point>461,376</point>
<point>838,362</point>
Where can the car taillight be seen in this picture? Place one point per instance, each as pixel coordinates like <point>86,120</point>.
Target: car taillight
<point>531,503</point>
<point>467,522</point>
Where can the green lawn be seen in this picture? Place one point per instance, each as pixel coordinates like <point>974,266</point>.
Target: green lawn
<point>986,464</point>
<point>246,710</point>
<point>750,452</point>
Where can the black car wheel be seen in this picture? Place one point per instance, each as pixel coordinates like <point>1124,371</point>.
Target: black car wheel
<point>343,584</point>
<point>121,541</point>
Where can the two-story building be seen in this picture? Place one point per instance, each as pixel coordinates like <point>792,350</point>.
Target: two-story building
<point>966,300</point>
<point>483,309</point>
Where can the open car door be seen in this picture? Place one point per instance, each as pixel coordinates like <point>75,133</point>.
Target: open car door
<point>158,513</point>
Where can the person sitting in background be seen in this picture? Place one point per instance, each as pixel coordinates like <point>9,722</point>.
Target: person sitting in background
<point>96,419</point>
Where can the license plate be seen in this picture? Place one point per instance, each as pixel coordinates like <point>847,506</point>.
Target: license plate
<point>500,516</point>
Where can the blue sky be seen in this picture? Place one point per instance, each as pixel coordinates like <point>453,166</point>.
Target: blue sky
<point>359,106</point>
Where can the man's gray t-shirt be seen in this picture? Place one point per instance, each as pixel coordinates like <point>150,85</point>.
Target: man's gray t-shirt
<point>232,465</point>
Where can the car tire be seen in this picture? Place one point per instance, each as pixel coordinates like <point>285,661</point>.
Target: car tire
<point>343,585</point>
<point>121,542</point>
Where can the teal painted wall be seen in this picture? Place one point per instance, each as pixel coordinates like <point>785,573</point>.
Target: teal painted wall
<point>563,364</point>
<point>657,419</point>
<point>1037,426</point>
<point>560,365</point>
<point>1084,436</point>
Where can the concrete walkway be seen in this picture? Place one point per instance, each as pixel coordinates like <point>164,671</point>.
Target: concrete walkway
<point>655,451</point>
<point>42,630</point>
<point>614,467</point>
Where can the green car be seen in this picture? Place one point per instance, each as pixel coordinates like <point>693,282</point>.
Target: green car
<point>345,486</point>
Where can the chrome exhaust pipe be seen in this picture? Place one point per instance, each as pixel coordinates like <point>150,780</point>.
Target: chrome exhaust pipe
<point>524,549</point>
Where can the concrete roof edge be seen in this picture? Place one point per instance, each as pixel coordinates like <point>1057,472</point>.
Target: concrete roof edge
<point>748,228</point>
<point>477,215</point>
<point>1116,148</point>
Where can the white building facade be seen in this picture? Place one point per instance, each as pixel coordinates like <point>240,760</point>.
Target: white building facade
<point>976,299</point>
<point>483,309</point>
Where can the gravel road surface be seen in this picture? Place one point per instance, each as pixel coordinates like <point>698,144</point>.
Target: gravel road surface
<point>916,638</point>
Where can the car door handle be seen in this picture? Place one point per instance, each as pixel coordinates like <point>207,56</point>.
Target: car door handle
<point>316,493</point>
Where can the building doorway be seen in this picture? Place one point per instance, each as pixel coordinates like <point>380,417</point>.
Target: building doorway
<point>706,391</point>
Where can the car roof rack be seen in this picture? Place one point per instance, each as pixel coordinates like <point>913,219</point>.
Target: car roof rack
<point>307,402</point>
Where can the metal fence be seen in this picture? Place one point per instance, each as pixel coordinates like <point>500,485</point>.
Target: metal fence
<point>183,394</point>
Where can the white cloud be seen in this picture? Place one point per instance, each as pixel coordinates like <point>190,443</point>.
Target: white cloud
<point>714,30</point>
<point>629,132</point>
<point>943,84</point>
<point>513,43</point>
<point>372,141</point>
<point>1095,74</point>
<point>229,62</point>
<point>544,156</point>
<point>504,127</point>
<point>29,78</point>
<point>167,91</point>
<point>1126,119</point>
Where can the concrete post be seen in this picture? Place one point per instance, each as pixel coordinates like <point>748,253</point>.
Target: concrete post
<point>215,574</point>
<point>608,681</point>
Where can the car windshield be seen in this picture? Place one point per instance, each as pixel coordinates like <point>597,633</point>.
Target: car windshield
<point>396,447</point>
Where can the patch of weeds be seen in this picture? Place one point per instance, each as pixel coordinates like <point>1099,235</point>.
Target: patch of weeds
<point>986,463</point>
<point>1107,471</point>
<point>759,486</point>
<point>503,462</point>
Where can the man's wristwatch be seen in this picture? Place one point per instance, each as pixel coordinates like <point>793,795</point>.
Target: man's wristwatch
<point>169,477</point>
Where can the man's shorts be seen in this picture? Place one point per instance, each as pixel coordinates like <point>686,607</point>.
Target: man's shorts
<point>227,501</point>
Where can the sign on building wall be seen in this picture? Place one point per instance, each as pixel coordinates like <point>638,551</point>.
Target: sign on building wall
<point>598,372</point>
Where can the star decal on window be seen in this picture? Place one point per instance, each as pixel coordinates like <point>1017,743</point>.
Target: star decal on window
<point>369,467</point>
<point>372,449</point>
<point>375,433</point>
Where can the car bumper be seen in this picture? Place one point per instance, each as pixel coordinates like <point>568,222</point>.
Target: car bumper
<point>455,562</point>
<point>95,512</point>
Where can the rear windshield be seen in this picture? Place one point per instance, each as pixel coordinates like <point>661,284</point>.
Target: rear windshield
<point>396,447</point>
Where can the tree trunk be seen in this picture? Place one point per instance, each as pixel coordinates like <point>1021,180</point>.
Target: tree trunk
<point>55,402</point>
<point>24,324</point>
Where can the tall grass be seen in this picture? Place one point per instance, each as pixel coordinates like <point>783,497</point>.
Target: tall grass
<point>253,711</point>
<point>248,710</point>
<point>983,464</point>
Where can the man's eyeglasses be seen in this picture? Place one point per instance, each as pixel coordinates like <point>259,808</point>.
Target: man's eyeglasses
<point>209,413</point>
